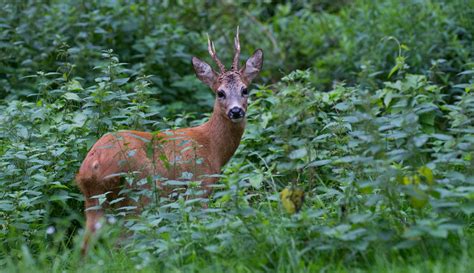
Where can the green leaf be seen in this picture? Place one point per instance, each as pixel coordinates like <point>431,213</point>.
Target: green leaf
<point>299,153</point>
<point>71,96</point>
<point>318,163</point>
<point>256,180</point>
<point>74,86</point>
<point>121,81</point>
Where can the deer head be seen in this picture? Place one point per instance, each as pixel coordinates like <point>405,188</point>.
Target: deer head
<point>230,86</point>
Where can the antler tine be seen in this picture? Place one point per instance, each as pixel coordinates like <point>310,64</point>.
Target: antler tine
<point>212,52</point>
<point>235,64</point>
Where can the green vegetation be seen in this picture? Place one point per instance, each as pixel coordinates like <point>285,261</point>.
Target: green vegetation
<point>365,105</point>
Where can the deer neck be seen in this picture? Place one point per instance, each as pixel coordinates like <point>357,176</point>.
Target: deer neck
<point>223,136</point>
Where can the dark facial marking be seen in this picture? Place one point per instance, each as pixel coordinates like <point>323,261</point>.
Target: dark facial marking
<point>245,92</point>
<point>221,94</point>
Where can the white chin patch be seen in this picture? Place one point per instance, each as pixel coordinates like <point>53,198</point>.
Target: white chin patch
<point>236,120</point>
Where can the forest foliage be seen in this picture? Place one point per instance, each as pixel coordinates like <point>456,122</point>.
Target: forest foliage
<point>365,105</point>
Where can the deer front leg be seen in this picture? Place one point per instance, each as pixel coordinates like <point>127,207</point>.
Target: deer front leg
<point>206,185</point>
<point>93,217</point>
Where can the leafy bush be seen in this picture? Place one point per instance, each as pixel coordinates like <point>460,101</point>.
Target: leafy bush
<point>375,152</point>
<point>340,41</point>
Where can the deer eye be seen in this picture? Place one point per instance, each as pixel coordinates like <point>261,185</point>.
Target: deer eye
<point>245,92</point>
<point>221,94</point>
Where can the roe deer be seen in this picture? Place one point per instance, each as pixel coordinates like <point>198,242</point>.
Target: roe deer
<point>214,142</point>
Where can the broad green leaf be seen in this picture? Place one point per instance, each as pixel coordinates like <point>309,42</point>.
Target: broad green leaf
<point>299,153</point>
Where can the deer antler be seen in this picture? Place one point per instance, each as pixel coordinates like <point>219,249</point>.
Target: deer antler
<point>235,64</point>
<point>212,52</point>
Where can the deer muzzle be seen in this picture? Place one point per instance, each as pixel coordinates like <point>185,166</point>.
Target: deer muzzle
<point>236,114</point>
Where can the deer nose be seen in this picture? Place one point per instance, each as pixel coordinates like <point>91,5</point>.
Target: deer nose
<point>236,113</point>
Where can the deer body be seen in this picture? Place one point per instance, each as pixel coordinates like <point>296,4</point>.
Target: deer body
<point>201,150</point>
<point>126,151</point>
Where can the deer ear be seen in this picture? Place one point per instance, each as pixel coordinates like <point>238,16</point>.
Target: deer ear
<point>253,66</point>
<point>204,72</point>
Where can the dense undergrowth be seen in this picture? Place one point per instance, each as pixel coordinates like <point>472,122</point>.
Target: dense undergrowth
<point>341,40</point>
<point>377,127</point>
